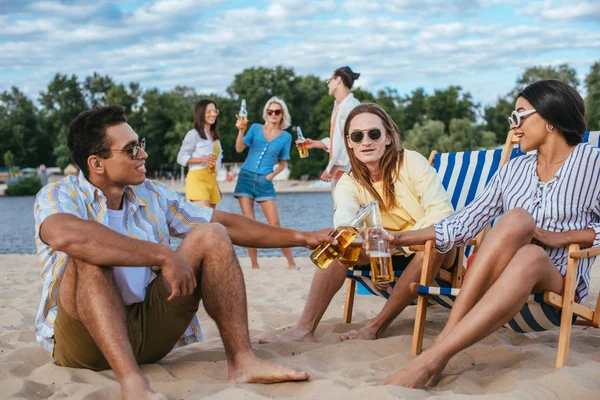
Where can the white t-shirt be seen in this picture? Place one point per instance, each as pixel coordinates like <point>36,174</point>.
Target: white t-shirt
<point>131,281</point>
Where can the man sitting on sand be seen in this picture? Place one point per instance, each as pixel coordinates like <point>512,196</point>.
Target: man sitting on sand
<point>115,294</point>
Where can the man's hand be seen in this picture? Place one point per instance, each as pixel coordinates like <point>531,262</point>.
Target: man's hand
<point>270,177</point>
<point>315,238</point>
<point>179,275</point>
<point>309,143</point>
<point>326,177</point>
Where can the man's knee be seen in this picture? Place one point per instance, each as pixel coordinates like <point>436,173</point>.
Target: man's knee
<point>213,234</point>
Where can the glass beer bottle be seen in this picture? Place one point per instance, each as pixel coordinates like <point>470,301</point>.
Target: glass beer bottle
<point>350,256</point>
<point>243,113</point>
<point>301,143</point>
<point>325,253</point>
<point>380,254</point>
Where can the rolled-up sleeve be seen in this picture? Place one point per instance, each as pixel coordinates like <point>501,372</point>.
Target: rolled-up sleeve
<point>55,198</point>
<point>187,148</point>
<point>464,225</point>
<point>182,215</point>
<point>346,203</point>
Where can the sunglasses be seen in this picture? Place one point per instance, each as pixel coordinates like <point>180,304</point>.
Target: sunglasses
<point>212,112</point>
<point>271,112</point>
<point>133,150</point>
<point>516,118</point>
<point>358,136</point>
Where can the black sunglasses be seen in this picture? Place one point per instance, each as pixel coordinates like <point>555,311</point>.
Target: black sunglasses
<point>357,136</point>
<point>271,112</point>
<point>133,150</point>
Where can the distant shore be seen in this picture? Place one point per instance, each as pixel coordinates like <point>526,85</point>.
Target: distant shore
<point>289,186</point>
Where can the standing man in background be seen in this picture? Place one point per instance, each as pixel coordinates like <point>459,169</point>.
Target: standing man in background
<point>339,86</point>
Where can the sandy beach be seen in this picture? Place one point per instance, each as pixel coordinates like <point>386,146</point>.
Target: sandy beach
<point>505,365</point>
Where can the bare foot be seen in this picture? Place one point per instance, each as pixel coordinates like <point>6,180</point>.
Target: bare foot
<point>137,387</point>
<point>255,370</point>
<point>425,370</point>
<point>368,332</point>
<point>293,266</point>
<point>294,334</point>
<point>255,267</point>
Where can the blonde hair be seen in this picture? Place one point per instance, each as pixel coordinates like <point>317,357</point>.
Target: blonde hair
<point>390,162</point>
<point>286,121</point>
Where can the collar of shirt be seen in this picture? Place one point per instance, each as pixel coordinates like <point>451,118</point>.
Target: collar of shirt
<point>92,194</point>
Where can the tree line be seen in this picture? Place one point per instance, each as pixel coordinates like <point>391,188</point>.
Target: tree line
<point>449,119</point>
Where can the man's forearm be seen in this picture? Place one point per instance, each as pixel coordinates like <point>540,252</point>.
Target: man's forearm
<point>97,244</point>
<point>247,232</point>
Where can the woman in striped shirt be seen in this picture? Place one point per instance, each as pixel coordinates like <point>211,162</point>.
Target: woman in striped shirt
<point>546,201</point>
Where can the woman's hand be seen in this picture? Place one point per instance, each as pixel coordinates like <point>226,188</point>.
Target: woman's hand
<point>206,160</point>
<point>549,239</point>
<point>270,177</point>
<point>241,123</point>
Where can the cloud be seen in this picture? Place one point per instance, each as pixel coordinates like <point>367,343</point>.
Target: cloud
<point>167,43</point>
<point>550,10</point>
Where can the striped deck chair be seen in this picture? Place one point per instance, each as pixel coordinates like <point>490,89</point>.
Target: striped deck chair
<point>542,311</point>
<point>463,175</point>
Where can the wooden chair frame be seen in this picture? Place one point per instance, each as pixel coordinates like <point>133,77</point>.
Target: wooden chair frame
<point>566,303</point>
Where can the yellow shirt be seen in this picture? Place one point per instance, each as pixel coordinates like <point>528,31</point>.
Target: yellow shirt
<point>419,192</point>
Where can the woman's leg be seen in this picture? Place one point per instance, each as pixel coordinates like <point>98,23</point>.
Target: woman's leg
<point>269,208</point>
<point>529,271</point>
<point>247,206</point>
<point>513,231</point>
<point>399,299</point>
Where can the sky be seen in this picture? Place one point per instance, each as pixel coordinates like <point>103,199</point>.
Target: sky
<point>481,45</point>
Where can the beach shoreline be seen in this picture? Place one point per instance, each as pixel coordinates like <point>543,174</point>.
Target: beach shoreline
<point>504,365</point>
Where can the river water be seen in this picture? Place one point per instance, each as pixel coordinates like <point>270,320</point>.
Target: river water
<point>302,211</point>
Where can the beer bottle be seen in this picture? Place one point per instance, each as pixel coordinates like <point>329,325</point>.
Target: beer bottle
<point>325,253</point>
<point>380,255</point>
<point>243,114</point>
<point>301,143</point>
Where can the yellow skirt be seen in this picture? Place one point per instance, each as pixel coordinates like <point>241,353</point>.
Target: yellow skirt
<point>201,184</point>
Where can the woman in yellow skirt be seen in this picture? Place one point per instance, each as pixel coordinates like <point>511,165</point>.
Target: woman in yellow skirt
<point>202,153</point>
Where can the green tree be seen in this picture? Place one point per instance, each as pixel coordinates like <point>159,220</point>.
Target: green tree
<point>21,131</point>
<point>449,104</point>
<point>563,73</point>
<point>97,87</point>
<point>496,117</point>
<point>424,137</point>
<point>415,108</point>
<point>592,100</point>
<point>9,162</point>
<point>62,102</point>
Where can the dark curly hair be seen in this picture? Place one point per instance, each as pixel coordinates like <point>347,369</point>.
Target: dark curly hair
<point>86,134</point>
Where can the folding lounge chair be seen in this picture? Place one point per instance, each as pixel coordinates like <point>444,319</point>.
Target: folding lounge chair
<point>463,175</point>
<point>542,311</point>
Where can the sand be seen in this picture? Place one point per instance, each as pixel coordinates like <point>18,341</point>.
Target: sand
<point>505,365</point>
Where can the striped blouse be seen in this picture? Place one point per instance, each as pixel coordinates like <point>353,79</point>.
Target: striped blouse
<point>569,201</point>
<point>154,212</point>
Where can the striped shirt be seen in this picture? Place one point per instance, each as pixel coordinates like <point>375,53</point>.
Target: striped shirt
<point>154,213</point>
<point>569,201</point>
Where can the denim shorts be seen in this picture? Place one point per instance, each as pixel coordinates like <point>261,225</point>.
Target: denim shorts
<point>254,186</point>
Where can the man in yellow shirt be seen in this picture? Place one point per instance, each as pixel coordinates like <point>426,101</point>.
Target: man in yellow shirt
<point>411,196</point>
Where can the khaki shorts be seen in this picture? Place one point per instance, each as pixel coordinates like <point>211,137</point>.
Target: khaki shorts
<point>154,326</point>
